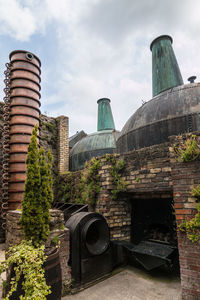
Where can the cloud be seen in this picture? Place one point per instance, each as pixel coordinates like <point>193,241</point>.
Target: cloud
<point>101,49</point>
<point>16,20</point>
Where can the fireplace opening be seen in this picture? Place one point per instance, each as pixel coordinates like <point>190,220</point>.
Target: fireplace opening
<point>153,238</point>
<point>153,220</point>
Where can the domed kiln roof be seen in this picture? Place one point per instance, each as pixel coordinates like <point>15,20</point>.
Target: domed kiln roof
<point>172,112</point>
<point>95,144</point>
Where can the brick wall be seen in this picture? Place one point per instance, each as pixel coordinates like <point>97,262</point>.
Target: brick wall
<point>154,172</point>
<point>147,172</point>
<point>185,177</point>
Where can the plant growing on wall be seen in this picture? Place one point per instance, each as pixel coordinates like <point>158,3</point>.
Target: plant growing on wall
<point>90,182</point>
<point>88,187</point>
<point>117,166</point>
<point>192,227</point>
<point>188,150</point>
<point>65,187</point>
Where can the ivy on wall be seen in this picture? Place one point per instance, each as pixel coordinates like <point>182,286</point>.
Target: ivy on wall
<point>117,166</point>
<point>90,182</point>
<point>86,190</point>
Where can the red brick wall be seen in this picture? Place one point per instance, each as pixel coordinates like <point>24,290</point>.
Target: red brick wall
<point>185,177</point>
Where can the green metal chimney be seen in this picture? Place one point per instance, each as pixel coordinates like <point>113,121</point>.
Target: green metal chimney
<point>105,117</point>
<point>165,70</point>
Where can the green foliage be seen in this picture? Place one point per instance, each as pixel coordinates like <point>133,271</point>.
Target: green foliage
<point>55,240</point>
<point>65,188</point>
<point>117,166</point>
<point>196,192</point>
<point>86,190</point>
<point>137,179</point>
<point>27,262</point>
<point>50,127</point>
<point>188,150</point>
<point>192,227</point>
<point>90,182</point>
<point>38,194</point>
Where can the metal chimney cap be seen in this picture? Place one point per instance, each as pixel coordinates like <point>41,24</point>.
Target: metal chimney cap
<point>161,37</point>
<point>103,99</point>
<point>191,79</point>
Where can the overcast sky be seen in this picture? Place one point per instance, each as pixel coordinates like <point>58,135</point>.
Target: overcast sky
<point>92,49</point>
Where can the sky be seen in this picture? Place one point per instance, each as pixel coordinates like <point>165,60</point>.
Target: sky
<point>91,49</point>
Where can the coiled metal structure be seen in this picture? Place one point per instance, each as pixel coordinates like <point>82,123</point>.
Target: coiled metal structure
<point>21,114</point>
<point>24,115</point>
<point>6,146</point>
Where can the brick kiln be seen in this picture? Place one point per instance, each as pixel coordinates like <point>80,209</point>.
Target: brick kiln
<point>143,220</point>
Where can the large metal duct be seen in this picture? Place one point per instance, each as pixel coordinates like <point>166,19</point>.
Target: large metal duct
<point>90,251</point>
<point>24,115</point>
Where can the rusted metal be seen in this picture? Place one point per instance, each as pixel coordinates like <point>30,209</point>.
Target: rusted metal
<point>5,143</point>
<point>24,115</point>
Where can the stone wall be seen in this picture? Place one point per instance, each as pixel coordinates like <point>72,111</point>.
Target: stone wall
<point>14,235</point>
<point>63,140</point>
<point>49,140</point>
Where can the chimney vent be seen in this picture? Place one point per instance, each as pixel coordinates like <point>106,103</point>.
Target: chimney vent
<point>191,79</point>
<point>165,69</point>
<point>105,117</point>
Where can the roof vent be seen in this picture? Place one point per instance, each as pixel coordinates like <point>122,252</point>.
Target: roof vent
<point>191,79</point>
<point>105,117</point>
<point>165,69</point>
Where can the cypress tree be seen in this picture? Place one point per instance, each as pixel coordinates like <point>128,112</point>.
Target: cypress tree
<point>29,219</point>
<point>38,194</point>
<point>46,194</point>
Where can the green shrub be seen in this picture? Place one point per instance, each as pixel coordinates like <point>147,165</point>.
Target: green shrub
<point>28,264</point>
<point>38,193</point>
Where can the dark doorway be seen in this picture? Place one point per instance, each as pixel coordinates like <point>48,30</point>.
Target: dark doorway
<point>153,219</point>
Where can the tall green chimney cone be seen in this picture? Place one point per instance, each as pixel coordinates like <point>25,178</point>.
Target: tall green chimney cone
<point>105,117</point>
<point>165,69</point>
